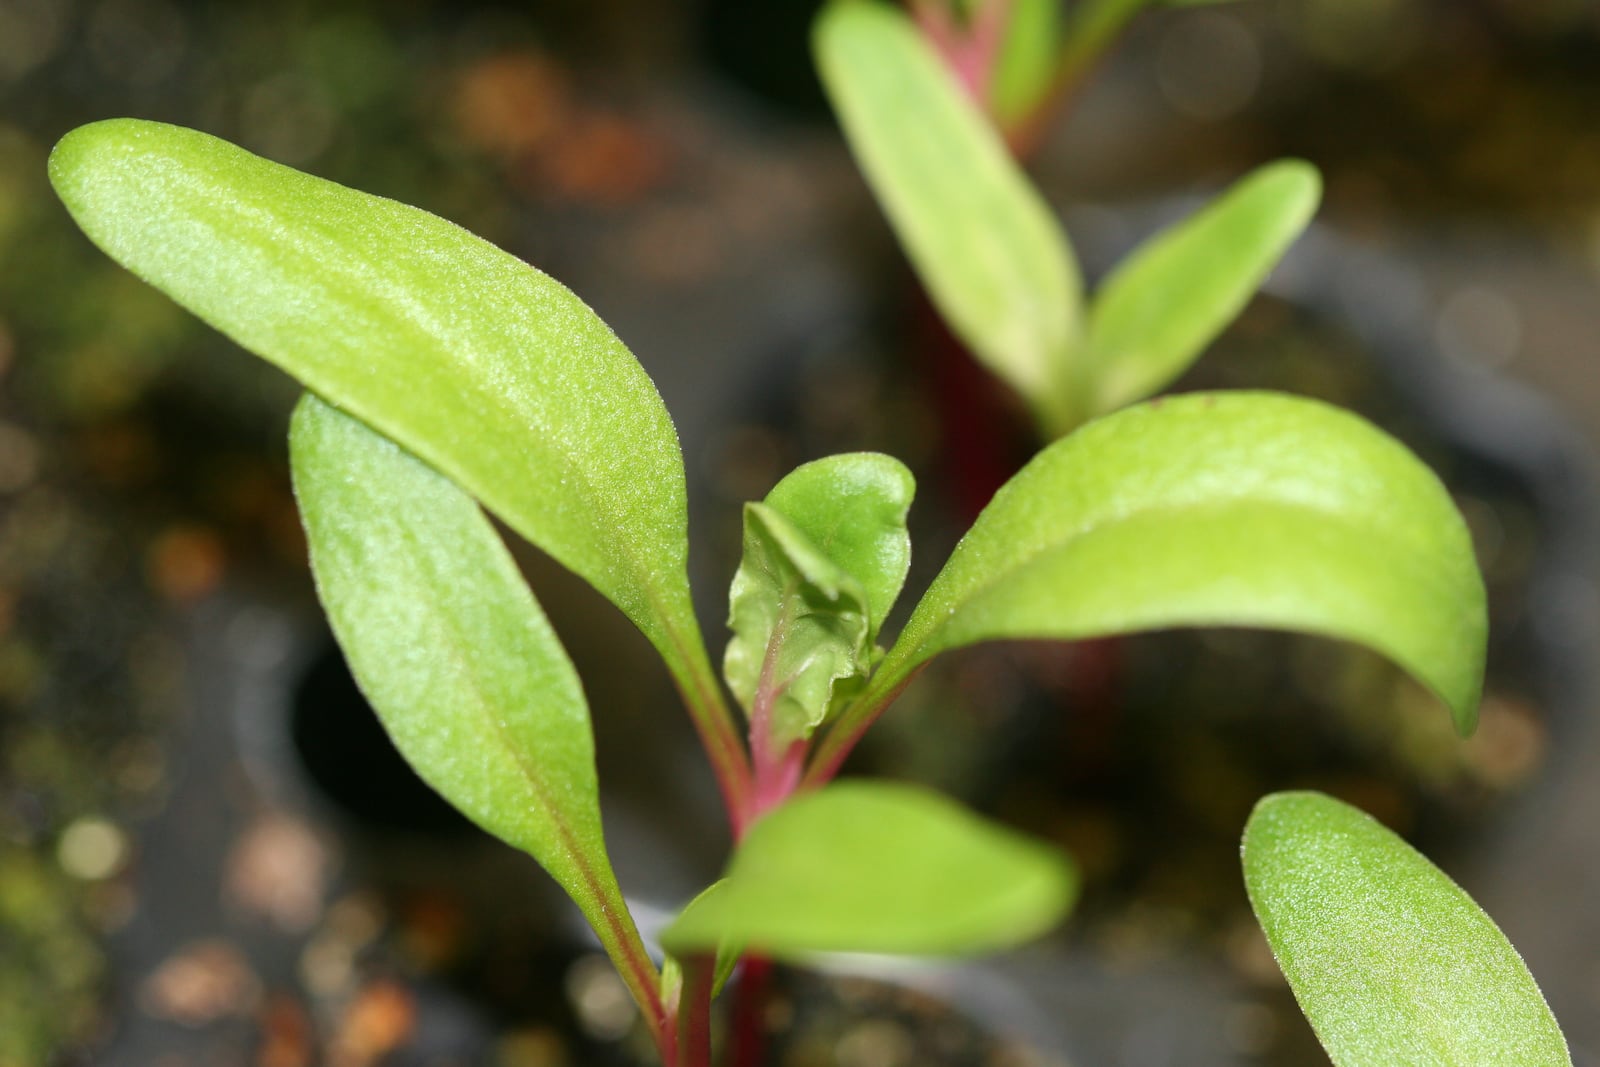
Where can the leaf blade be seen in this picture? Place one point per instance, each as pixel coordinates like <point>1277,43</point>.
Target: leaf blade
<point>1390,960</point>
<point>879,867</point>
<point>452,650</point>
<point>984,243</point>
<point>487,369</point>
<point>1240,509</point>
<point>825,555</point>
<point>1161,306</point>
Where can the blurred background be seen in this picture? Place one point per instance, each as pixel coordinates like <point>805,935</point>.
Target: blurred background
<point>208,853</point>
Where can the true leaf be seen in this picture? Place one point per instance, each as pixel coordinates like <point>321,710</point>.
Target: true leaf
<point>985,244</point>
<point>487,369</point>
<point>1391,961</point>
<point>1170,298</point>
<point>453,652</point>
<point>799,625</point>
<point>879,867</point>
<point>1230,509</point>
<point>824,559</point>
<point>852,507</point>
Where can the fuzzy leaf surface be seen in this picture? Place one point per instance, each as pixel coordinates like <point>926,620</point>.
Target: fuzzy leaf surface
<point>879,867</point>
<point>1172,296</point>
<point>452,650</point>
<point>985,244</point>
<point>1391,961</point>
<point>487,369</point>
<point>825,556</point>
<point>1228,509</point>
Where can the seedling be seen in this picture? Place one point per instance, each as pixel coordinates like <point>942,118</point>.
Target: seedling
<point>987,247</point>
<point>444,376</point>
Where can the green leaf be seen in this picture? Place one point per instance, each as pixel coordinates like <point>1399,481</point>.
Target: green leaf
<point>1229,509</point>
<point>453,651</point>
<point>490,371</point>
<point>852,507</point>
<point>1167,301</point>
<point>799,625</point>
<point>824,558</point>
<point>985,244</point>
<point>879,867</point>
<point>1027,63</point>
<point>1390,960</point>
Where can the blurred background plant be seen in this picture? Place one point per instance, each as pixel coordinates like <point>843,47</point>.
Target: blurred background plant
<point>675,165</point>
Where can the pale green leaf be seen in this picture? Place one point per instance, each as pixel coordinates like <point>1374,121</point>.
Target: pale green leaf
<point>1170,298</point>
<point>879,867</point>
<point>1390,960</point>
<point>985,244</point>
<point>452,650</point>
<point>1231,509</point>
<point>825,556</point>
<point>490,371</point>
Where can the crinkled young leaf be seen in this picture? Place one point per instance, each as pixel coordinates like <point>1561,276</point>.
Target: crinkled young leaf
<point>985,244</point>
<point>879,867</point>
<point>824,559</point>
<point>487,369</point>
<point>1390,960</point>
<point>852,507</point>
<point>799,624</point>
<point>1170,298</point>
<point>1229,509</point>
<point>452,650</point>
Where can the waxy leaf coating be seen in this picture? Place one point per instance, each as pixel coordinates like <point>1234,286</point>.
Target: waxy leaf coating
<point>878,867</point>
<point>453,652</point>
<point>825,556</point>
<point>985,244</point>
<point>1170,298</point>
<point>487,369</point>
<point>1393,964</point>
<point>1231,509</point>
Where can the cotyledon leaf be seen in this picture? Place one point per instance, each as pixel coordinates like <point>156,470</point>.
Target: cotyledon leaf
<point>489,370</point>
<point>454,654</point>
<point>983,241</point>
<point>1229,509</point>
<point>1391,961</point>
<point>1171,297</point>
<point>878,867</point>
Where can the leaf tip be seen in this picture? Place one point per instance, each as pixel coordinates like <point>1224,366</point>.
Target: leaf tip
<point>1297,184</point>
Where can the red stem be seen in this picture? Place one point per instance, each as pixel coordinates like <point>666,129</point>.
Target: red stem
<point>749,1011</point>
<point>694,1013</point>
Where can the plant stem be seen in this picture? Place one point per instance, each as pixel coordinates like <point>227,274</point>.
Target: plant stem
<point>970,51</point>
<point>749,1012</point>
<point>848,728</point>
<point>697,686</point>
<point>694,1014</point>
<point>1093,25</point>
